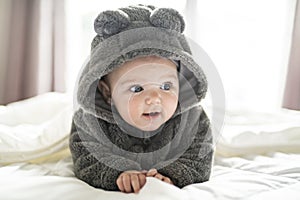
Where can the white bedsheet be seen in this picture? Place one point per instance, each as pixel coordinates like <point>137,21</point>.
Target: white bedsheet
<point>35,162</point>
<point>275,176</point>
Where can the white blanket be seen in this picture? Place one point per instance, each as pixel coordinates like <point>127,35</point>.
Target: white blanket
<point>34,127</point>
<point>35,162</point>
<point>258,133</point>
<point>276,176</point>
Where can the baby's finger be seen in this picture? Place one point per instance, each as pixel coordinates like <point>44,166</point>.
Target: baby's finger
<point>159,176</point>
<point>126,183</point>
<point>152,172</point>
<point>167,180</point>
<point>142,180</point>
<point>120,184</point>
<point>135,183</point>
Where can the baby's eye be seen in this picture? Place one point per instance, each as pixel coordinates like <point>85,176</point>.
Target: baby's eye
<point>166,86</point>
<point>136,88</point>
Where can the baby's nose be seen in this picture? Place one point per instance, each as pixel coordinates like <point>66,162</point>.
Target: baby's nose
<point>153,97</point>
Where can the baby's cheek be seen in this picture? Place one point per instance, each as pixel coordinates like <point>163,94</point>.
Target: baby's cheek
<point>170,104</point>
<point>133,105</point>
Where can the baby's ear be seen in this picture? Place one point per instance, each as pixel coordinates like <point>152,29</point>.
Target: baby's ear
<point>167,18</point>
<point>110,22</point>
<point>105,91</point>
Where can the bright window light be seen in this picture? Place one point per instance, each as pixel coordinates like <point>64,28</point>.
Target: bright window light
<point>249,42</point>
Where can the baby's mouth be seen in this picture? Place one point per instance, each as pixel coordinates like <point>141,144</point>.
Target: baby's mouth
<point>151,114</point>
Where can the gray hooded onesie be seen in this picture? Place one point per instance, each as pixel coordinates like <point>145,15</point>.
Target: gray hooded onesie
<point>102,144</point>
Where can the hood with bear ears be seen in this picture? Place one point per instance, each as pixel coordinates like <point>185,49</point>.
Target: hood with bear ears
<point>131,32</point>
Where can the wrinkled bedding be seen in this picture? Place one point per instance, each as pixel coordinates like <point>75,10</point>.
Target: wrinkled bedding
<point>258,157</point>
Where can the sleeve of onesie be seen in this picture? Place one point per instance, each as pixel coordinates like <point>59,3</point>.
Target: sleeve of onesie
<point>92,169</point>
<point>194,166</point>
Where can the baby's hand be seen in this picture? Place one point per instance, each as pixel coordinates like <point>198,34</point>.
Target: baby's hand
<point>155,174</point>
<point>131,181</point>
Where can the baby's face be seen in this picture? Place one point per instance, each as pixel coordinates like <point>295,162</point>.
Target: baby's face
<point>145,91</point>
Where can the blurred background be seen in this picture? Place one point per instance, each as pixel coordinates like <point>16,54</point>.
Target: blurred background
<point>254,44</point>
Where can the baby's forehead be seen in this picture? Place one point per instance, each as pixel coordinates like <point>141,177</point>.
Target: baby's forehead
<point>143,65</point>
<point>148,60</point>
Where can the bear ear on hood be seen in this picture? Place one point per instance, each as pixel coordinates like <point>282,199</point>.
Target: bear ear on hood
<point>111,22</point>
<point>167,18</point>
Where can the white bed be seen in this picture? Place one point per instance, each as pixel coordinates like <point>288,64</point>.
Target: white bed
<point>259,157</point>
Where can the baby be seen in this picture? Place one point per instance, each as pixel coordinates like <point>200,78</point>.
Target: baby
<point>138,112</point>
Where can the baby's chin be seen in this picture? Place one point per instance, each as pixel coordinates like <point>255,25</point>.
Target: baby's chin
<point>147,127</point>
